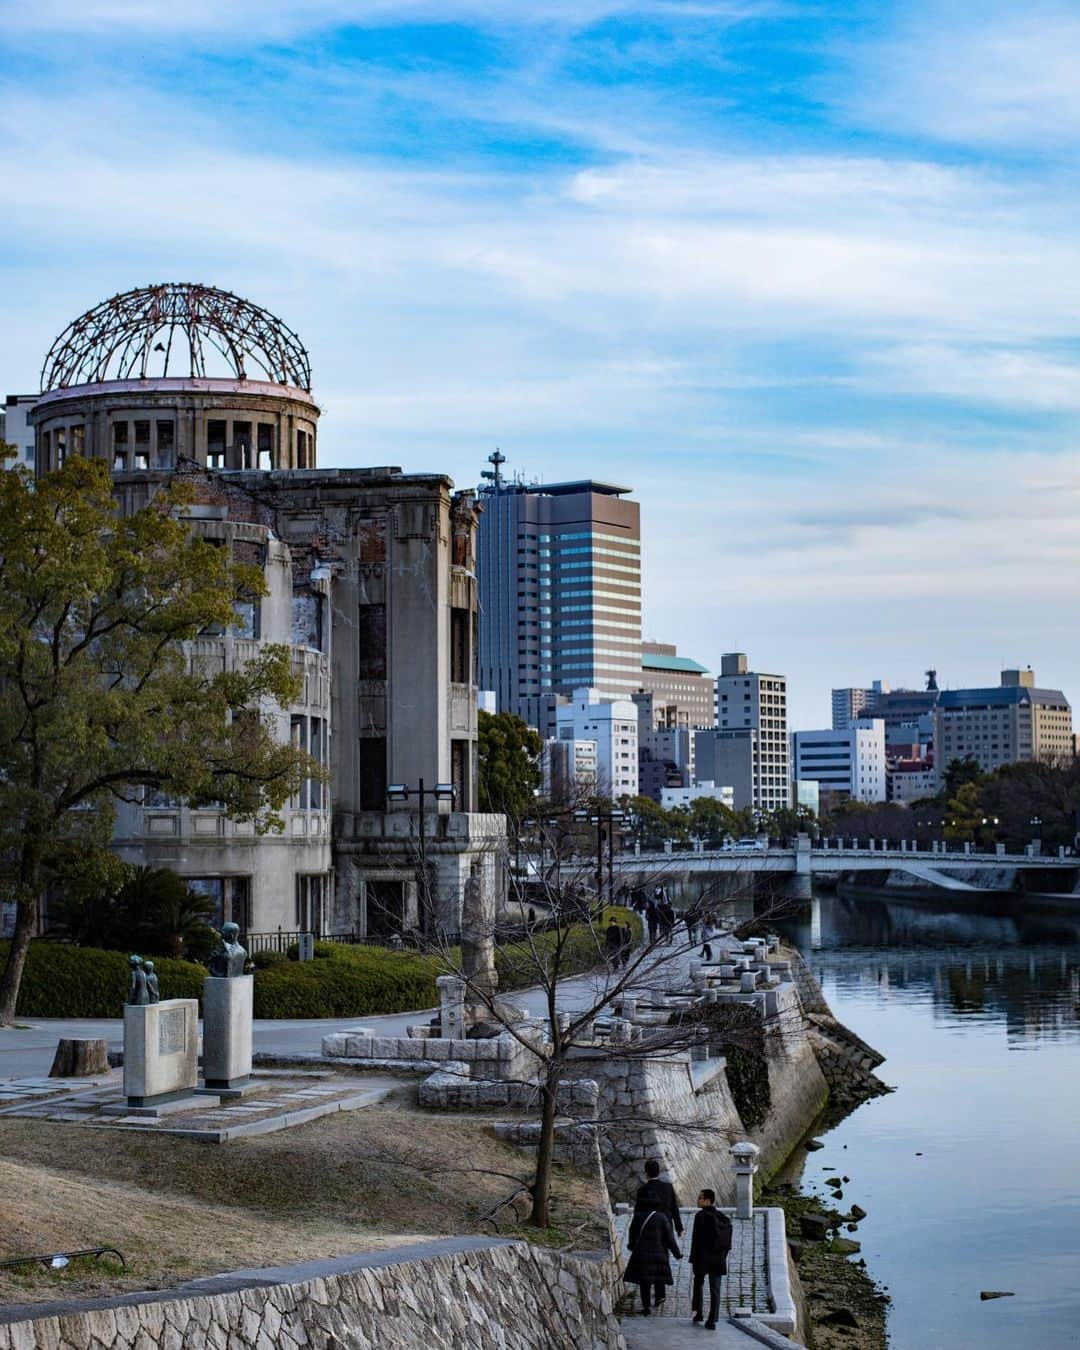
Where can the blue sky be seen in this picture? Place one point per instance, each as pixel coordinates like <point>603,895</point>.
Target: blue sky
<point>806,276</point>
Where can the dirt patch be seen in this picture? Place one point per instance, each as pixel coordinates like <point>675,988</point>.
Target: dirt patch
<point>356,1181</point>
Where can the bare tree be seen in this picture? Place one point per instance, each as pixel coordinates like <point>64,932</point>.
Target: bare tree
<point>576,931</point>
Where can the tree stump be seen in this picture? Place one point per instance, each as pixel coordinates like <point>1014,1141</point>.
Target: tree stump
<point>80,1058</point>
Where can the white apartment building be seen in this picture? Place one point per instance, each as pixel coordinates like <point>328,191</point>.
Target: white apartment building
<point>687,796</point>
<point>15,428</point>
<point>613,725</point>
<point>754,702</point>
<point>851,761</point>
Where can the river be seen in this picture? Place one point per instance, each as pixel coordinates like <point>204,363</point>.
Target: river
<point>970,1170</point>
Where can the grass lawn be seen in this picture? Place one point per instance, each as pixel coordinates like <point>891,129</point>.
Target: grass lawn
<point>355,1181</point>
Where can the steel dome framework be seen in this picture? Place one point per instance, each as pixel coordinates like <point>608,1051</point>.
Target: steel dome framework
<point>170,329</point>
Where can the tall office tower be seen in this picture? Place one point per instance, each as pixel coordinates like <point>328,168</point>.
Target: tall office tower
<point>848,705</point>
<point>752,708</point>
<point>1014,722</point>
<point>682,690</point>
<point>559,570</point>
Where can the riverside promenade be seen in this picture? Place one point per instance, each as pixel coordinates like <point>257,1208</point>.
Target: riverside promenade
<point>747,1287</point>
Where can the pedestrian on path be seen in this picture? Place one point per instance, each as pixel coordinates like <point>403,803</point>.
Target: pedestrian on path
<point>613,941</point>
<point>691,919</point>
<point>657,1194</point>
<point>651,1239</point>
<point>627,945</point>
<point>709,1247</point>
<point>652,918</point>
<point>707,935</point>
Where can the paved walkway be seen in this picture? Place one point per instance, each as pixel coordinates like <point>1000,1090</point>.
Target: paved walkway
<point>664,1333</point>
<point>27,1051</point>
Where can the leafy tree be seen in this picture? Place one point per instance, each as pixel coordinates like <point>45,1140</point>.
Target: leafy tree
<point>508,768</point>
<point>965,815</point>
<point>651,824</point>
<point>957,773</point>
<point>99,698</point>
<point>154,911</point>
<point>711,820</point>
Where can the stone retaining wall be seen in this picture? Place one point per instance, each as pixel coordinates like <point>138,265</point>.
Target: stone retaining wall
<point>460,1294</point>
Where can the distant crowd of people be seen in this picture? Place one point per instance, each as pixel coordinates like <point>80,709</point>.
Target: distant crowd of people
<point>654,1228</point>
<point>662,920</point>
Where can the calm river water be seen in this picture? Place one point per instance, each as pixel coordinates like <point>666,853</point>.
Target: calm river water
<point>970,1171</point>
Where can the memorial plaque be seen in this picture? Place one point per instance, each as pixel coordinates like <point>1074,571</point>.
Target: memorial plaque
<point>171,1031</point>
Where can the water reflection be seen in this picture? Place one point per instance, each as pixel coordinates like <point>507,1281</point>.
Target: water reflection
<point>969,1170</point>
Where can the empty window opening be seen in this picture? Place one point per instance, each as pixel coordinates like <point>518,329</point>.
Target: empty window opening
<point>142,433</point>
<point>371,634</point>
<point>61,445</point>
<point>78,439</point>
<point>215,444</point>
<point>266,445</point>
<point>166,441</point>
<point>242,444</point>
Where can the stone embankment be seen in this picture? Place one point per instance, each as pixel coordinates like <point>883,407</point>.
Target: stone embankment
<point>460,1294</point>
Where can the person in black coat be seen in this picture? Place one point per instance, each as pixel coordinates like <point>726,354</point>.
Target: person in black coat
<point>657,1194</point>
<point>709,1249</point>
<point>651,1239</point>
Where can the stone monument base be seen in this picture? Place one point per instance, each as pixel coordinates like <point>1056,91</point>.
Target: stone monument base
<point>227,1013</point>
<point>161,1050</point>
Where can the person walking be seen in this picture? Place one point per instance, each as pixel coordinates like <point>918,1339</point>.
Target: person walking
<point>651,1240</point>
<point>707,935</point>
<point>690,918</point>
<point>667,913</point>
<point>627,945</point>
<point>652,918</point>
<point>657,1194</point>
<point>613,941</point>
<point>709,1247</point>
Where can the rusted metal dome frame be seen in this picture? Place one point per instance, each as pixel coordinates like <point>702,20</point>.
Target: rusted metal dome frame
<point>119,339</point>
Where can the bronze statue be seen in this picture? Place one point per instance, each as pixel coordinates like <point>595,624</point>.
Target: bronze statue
<point>154,994</point>
<point>138,989</point>
<point>229,958</point>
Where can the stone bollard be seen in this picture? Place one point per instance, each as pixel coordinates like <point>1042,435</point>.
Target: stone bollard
<point>695,971</point>
<point>451,1006</point>
<point>748,981</point>
<point>727,972</point>
<point>629,1007</point>
<point>744,1157</point>
<point>620,1031</point>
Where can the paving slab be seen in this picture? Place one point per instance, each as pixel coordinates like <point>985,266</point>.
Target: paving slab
<point>278,1102</point>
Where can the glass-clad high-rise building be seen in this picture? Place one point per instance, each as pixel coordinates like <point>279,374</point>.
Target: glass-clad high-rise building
<point>560,590</point>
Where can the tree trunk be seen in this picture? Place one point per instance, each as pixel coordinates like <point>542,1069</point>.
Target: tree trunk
<point>541,1188</point>
<point>80,1058</point>
<point>13,969</point>
<point>25,915</point>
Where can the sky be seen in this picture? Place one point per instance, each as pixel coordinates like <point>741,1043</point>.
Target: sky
<point>806,276</point>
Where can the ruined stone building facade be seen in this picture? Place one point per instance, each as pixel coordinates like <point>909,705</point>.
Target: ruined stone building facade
<point>371,583</point>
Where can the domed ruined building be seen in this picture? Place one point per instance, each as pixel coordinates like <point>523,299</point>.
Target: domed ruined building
<point>370,580</point>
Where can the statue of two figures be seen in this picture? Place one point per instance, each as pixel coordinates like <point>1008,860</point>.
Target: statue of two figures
<point>226,963</point>
<point>142,983</point>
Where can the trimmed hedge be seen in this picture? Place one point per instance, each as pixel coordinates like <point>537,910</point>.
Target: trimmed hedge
<point>63,981</point>
<point>344,981</point>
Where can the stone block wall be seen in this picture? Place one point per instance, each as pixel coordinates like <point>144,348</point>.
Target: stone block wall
<point>461,1294</point>
<point>504,1058</point>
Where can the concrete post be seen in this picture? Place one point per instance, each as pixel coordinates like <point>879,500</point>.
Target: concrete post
<point>451,1006</point>
<point>748,981</point>
<point>629,1008</point>
<point>967,846</point>
<point>999,849</point>
<point>744,1157</point>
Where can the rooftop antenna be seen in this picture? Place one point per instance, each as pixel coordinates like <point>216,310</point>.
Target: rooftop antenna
<point>495,477</point>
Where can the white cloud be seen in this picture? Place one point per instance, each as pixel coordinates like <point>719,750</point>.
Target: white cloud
<point>255,20</point>
<point>994,73</point>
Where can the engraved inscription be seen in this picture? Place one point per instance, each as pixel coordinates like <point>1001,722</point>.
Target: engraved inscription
<point>171,1031</point>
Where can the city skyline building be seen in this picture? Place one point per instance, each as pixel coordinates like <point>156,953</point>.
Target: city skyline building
<point>756,702</point>
<point>559,573</point>
<point>612,724</point>
<point>849,761</point>
<point>1014,722</point>
<point>683,694</point>
<point>850,704</point>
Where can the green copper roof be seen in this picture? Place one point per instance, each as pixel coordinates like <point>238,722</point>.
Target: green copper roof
<point>649,661</point>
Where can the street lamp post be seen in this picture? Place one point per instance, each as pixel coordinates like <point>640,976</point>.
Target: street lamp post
<point>1036,824</point>
<point>441,792</point>
<point>600,818</point>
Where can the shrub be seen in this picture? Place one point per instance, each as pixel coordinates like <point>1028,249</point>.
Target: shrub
<point>265,959</point>
<point>64,981</point>
<point>347,981</point>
